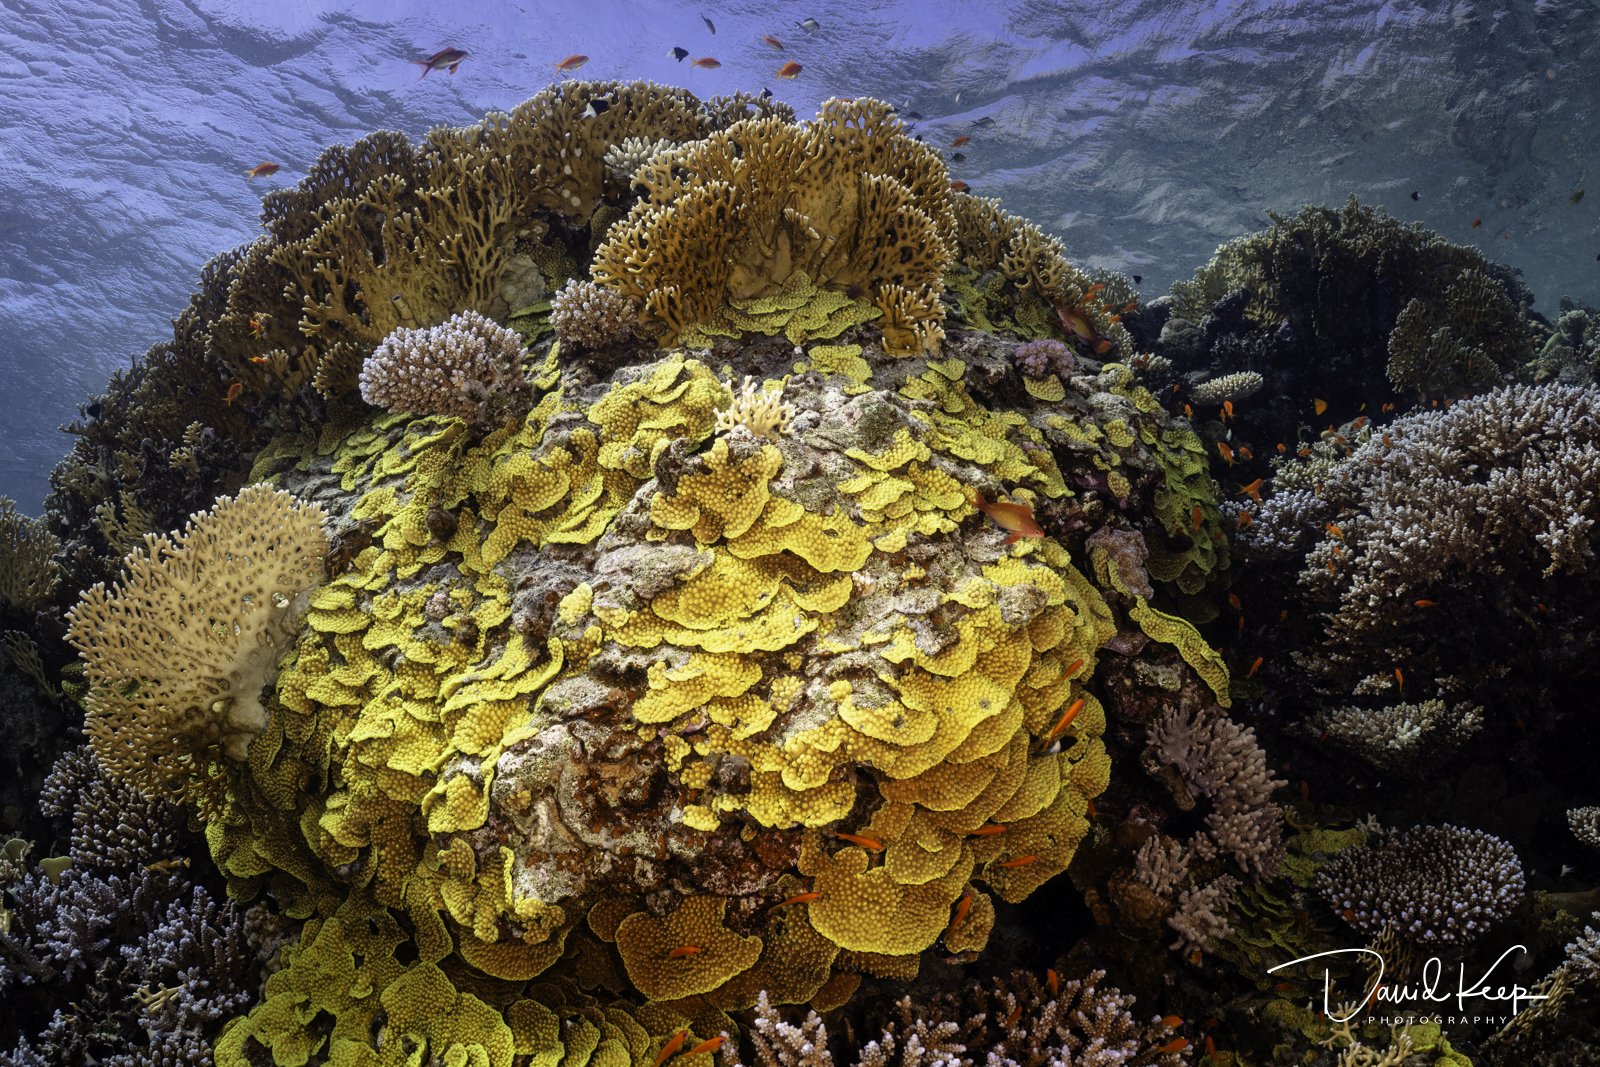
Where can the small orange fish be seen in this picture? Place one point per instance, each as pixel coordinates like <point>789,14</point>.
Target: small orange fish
<point>1211,1046</point>
<point>1013,1018</point>
<point>1234,602</point>
<point>1477,222</point>
<point>261,361</point>
<point>963,906</point>
<point>1360,422</point>
<point>1282,987</point>
<point>1337,551</point>
<point>572,62</point>
<point>1386,408</point>
<point>1171,1022</point>
<point>1399,677</point>
<point>1319,406</point>
<point>959,186</point>
<point>671,1048</point>
<point>1253,490</point>
<point>798,898</point>
<point>710,1044</point>
<point>1188,412</point>
<point>707,63</point>
<point>233,392</point>
<point>1334,529</point>
<point>1074,322</point>
<point>1019,861</point>
<point>1065,720</point>
<point>988,830</point>
<point>1089,809</point>
<point>257,328</point>
<point>790,69</point>
<point>1197,516</point>
<point>1246,452</point>
<point>1244,520</point>
<point>1053,981</point>
<point>1256,666</point>
<point>772,42</point>
<point>1073,670</point>
<point>1225,452</point>
<point>1282,448</point>
<point>871,844</point>
<point>1102,346</point>
<point>959,141</point>
<point>444,59</point>
<point>684,951</point>
<point>1196,956</point>
<point>1177,1044</point>
<point>1227,411</point>
<point>262,170</point>
<point>1017,519</point>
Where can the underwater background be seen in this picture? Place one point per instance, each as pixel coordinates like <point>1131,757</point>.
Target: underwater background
<point>1144,134</point>
<point>648,535</point>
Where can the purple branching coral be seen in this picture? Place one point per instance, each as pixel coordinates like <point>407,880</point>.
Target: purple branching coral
<point>1037,359</point>
<point>468,367</point>
<point>152,963</point>
<point>1429,884</point>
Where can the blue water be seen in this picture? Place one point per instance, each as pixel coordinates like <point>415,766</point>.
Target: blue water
<point>1143,133</point>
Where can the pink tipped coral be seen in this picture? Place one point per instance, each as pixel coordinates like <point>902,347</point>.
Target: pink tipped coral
<point>468,366</point>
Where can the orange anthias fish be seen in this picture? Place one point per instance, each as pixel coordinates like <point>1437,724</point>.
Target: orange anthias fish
<point>444,59</point>
<point>988,830</point>
<point>1016,518</point>
<point>1073,321</point>
<point>1177,1044</point>
<point>1319,406</point>
<point>959,141</point>
<point>710,1044</point>
<point>790,69</point>
<point>233,392</point>
<point>684,951</point>
<point>1019,861</point>
<point>1172,1022</point>
<point>671,1048</point>
<point>1053,981</point>
<point>262,170</point>
<point>572,62</point>
<point>868,843</point>
<point>798,898</point>
<point>959,186</point>
<point>772,42</point>
<point>1253,490</point>
<point>707,63</point>
<point>963,906</point>
<point>1065,720</point>
<point>1225,452</point>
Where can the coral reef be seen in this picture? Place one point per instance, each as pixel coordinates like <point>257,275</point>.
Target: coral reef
<point>757,575</point>
<point>1428,884</point>
<point>467,367</point>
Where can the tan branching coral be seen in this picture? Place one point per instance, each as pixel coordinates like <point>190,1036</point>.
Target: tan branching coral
<point>27,574</point>
<point>587,316</point>
<point>848,199</point>
<point>762,412</point>
<point>179,650</point>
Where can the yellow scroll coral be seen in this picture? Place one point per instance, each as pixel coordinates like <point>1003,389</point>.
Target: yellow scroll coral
<point>849,200</point>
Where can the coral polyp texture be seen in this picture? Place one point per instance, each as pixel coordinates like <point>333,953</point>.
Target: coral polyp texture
<point>180,651</point>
